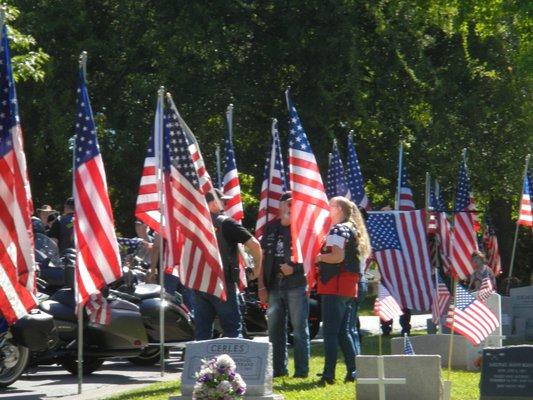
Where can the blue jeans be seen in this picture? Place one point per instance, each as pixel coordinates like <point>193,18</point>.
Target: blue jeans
<point>207,307</point>
<point>292,302</point>
<point>335,315</point>
<point>353,327</point>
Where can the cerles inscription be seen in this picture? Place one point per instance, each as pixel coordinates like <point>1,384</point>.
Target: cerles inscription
<point>221,348</point>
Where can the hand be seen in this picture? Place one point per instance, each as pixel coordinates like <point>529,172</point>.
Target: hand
<point>286,269</point>
<point>263,295</point>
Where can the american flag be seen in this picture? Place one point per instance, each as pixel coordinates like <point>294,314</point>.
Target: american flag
<point>441,299</point>
<point>490,244</point>
<point>355,178</point>
<point>444,229</point>
<point>405,197</point>
<point>407,346</point>
<point>230,182</point>
<point>17,274</point>
<point>485,290</point>
<point>400,246</point>
<point>147,208</point>
<point>470,317</point>
<point>200,266</point>
<point>336,180</point>
<point>310,219</point>
<point>273,185</point>
<point>525,215</point>
<point>386,307</point>
<point>98,256</point>
<point>464,239</point>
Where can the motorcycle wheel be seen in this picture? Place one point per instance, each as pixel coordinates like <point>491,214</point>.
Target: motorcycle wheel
<point>149,356</point>
<point>89,365</point>
<point>14,360</point>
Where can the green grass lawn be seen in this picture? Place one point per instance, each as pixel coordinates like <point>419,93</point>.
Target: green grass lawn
<point>464,383</point>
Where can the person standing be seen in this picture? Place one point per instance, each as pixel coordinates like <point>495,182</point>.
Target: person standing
<point>283,283</point>
<point>62,230</point>
<point>229,234</point>
<point>481,271</point>
<point>338,275</point>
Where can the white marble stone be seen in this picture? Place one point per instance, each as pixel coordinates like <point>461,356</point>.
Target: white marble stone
<point>522,306</point>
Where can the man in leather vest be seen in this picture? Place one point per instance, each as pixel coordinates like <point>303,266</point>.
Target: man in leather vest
<point>206,307</point>
<point>284,284</point>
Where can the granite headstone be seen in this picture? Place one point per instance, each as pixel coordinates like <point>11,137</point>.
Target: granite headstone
<point>507,373</point>
<point>253,360</point>
<point>522,305</point>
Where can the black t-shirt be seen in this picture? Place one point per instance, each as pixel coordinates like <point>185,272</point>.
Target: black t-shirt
<point>234,232</point>
<point>63,230</point>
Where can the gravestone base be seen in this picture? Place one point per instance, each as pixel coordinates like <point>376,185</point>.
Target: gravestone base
<point>464,355</point>
<point>422,375</point>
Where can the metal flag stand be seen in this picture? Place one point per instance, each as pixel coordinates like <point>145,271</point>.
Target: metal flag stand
<point>83,67</point>
<point>516,232</point>
<point>158,145</point>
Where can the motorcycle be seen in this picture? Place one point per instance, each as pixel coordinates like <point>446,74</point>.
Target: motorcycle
<point>178,321</point>
<point>124,337</point>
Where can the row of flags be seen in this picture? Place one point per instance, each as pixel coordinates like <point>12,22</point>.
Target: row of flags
<point>171,201</point>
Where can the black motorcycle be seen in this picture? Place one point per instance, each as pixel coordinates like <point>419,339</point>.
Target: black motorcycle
<point>178,322</point>
<point>124,337</point>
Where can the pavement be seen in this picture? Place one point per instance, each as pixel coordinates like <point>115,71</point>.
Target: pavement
<point>115,377</point>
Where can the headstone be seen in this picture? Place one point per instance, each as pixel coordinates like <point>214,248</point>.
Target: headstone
<point>496,337</point>
<point>507,373</point>
<point>464,355</point>
<point>507,316</point>
<point>519,328</point>
<point>522,306</point>
<point>422,374</point>
<point>253,360</point>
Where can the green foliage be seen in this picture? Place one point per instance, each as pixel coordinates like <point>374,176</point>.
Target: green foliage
<point>440,75</point>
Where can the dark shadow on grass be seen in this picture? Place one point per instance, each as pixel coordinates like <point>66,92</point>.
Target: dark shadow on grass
<point>289,386</point>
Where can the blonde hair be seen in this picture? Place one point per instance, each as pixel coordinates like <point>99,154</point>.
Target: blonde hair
<point>353,216</point>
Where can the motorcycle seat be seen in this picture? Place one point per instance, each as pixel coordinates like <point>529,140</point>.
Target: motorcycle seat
<point>65,297</point>
<point>120,304</point>
<point>58,310</point>
<point>147,291</point>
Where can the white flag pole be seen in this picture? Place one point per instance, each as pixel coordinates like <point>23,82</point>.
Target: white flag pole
<point>219,170</point>
<point>158,139</point>
<point>83,67</point>
<point>511,265</point>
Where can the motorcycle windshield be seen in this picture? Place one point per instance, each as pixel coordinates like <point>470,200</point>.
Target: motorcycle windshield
<point>48,247</point>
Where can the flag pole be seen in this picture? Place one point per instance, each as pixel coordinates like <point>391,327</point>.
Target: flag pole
<point>437,194</point>
<point>427,206</point>
<point>219,171</point>
<point>159,156</point>
<point>516,230</point>
<point>83,67</point>
<point>229,119</point>
<point>271,167</point>
<point>399,185</point>
<point>450,351</point>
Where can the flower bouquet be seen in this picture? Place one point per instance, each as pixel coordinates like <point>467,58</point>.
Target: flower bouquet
<point>217,380</point>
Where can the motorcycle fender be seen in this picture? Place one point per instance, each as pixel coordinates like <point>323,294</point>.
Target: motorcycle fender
<point>178,324</point>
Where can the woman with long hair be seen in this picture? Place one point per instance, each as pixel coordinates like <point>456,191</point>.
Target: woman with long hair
<point>339,269</point>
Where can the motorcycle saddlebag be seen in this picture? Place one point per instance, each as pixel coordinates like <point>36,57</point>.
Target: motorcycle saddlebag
<point>36,331</point>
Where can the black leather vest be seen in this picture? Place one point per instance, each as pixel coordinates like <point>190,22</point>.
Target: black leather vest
<point>351,262</point>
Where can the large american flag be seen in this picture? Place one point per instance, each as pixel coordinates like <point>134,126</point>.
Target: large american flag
<point>98,256</point>
<point>336,180</point>
<point>491,247</point>
<point>470,317</point>
<point>441,299</point>
<point>400,246</point>
<point>17,274</point>
<point>405,197</point>
<point>525,217</point>
<point>310,220</point>
<point>355,178</point>
<point>230,182</point>
<point>273,184</point>
<point>464,239</point>
<point>385,306</point>
<point>200,266</point>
